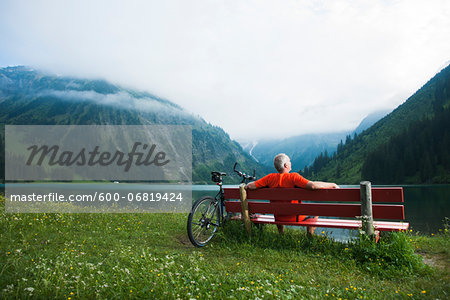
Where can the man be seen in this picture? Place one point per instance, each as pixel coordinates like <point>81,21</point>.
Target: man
<point>284,179</point>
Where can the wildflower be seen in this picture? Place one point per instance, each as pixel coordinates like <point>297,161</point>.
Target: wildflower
<point>424,292</point>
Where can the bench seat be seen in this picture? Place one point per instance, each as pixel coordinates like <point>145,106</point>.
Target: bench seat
<point>334,223</point>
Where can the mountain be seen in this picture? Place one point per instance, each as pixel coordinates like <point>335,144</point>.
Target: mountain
<point>410,145</point>
<point>303,149</point>
<point>371,119</point>
<point>30,97</point>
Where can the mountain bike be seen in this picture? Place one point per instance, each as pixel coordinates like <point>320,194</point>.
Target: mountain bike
<point>208,213</point>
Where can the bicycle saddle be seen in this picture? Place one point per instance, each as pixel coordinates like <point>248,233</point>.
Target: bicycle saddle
<point>217,176</point>
<point>219,173</point>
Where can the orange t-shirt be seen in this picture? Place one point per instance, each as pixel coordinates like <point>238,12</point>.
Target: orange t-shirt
<point>285,180</point>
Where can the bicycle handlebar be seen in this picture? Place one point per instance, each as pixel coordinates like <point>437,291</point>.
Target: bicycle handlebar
<point>244,176</point>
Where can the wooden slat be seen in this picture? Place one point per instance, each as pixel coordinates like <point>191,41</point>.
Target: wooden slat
<point>380,211</point>
<point>392,194</point>
<point>335,223</point>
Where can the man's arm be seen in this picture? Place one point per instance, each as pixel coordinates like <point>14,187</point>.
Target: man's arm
<point>316,185</point>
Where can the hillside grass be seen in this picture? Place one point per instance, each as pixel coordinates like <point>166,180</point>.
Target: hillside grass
<point>79,256</point>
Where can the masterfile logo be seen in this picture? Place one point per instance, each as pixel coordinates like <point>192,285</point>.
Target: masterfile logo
<point>94,157</point>
<point>99,152</point>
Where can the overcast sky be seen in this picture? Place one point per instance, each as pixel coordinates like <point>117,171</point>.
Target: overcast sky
<point>258,69</point>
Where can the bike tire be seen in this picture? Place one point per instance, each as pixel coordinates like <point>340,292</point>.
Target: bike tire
<point>203,221</point>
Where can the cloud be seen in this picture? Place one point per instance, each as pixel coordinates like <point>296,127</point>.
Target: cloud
<point>120,99</point>
<point>256,68</point>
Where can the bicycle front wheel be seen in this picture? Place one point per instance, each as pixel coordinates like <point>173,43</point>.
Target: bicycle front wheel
<point>203,221</point>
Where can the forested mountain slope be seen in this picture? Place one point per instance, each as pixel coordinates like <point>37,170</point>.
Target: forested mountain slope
<point>410,145</point>
<point>29,97</point>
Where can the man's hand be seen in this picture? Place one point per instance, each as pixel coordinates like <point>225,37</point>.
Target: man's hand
<point>251,186</point>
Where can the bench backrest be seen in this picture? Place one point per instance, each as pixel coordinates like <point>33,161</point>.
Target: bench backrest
<point>331,197</point>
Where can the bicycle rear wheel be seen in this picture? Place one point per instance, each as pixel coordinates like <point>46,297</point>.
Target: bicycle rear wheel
<point>203,221</point>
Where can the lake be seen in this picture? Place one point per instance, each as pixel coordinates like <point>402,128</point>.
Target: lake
<point>426,206</point>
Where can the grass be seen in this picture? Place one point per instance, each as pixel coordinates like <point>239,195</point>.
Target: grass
<point>78,256</point>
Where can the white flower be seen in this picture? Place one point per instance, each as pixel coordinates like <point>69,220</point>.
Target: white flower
<point>29,289</point>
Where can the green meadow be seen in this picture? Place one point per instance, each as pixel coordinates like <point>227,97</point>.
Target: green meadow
<point>116,256</point>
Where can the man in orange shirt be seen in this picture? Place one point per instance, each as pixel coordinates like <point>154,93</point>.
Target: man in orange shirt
<point>284,179</point>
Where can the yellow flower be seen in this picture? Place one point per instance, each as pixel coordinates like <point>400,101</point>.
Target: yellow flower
<point>424,292</point>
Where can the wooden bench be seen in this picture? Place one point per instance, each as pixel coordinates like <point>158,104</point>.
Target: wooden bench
<point>350,208</point>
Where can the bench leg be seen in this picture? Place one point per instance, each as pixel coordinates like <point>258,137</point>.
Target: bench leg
<point>280,228</point>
